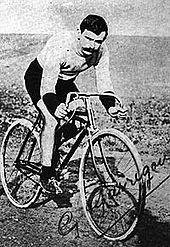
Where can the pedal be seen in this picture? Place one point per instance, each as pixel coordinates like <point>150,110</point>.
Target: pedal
<point>65,174</point>
<point>56,186</point>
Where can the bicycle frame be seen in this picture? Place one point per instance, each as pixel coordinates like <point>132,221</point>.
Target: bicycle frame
<point>88,129</point>
<point>108,161</point>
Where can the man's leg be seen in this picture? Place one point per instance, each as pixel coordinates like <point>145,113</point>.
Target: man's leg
<point>47,143</point>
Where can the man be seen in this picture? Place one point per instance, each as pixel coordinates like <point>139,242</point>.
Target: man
<point>51,76</point>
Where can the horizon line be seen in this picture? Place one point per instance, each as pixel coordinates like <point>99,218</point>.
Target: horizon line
<point>129,35</point>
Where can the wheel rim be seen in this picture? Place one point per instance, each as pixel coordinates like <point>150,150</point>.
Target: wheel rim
<point>21,186</point>
<point>111,203</point>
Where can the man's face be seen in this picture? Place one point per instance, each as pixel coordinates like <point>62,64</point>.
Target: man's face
<point>90,42</point>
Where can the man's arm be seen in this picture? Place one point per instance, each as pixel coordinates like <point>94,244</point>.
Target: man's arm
<point>50,60</point>
<point>103,78</point>
<point>104,83</point>
<point>49,98</point>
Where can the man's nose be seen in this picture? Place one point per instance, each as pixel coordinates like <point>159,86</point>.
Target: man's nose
<point>92,44</point>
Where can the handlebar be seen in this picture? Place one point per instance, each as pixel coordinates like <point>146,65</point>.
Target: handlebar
<point>117,111</point>
<point>77,95</point>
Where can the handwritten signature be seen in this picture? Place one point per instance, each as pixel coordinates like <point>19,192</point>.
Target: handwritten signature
<point>146,174</point>
<point>67,225</point>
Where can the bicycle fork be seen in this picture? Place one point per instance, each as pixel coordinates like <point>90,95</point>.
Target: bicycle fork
<point>91,129</point>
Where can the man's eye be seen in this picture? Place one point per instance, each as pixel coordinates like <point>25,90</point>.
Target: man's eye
<point>98,42</point>
<point>88,38</point>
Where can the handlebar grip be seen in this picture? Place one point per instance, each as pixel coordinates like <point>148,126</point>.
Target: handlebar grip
<point>69,96</point>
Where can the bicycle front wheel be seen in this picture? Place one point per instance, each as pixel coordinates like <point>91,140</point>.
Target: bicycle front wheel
<point>19,176</point>
<point>112,198</point>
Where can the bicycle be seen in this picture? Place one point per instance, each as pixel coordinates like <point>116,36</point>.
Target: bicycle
<point>109,160</point>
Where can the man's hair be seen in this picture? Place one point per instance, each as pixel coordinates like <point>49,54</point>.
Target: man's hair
<point>95,24</point>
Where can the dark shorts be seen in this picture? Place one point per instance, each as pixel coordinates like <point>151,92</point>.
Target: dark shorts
<point>33,78</point>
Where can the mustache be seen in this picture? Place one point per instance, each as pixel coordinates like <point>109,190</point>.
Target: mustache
<point>88,49</point>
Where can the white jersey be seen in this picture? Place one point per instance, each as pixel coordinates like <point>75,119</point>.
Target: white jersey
<point>60,59</point>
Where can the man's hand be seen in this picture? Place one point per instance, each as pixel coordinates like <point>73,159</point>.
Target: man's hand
<point>117,111</point>
<point>76,104</point>
<point>61,111</point>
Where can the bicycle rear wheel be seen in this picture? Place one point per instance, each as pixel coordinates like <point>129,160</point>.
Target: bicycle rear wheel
<point>111,198</point>
<point>20,177</point>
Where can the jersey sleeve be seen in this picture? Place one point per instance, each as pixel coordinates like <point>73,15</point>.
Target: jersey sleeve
<point>103,78</point>
<point>50,58</point>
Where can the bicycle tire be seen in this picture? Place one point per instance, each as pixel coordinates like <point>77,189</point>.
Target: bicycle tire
<point>111,203</point>
<point>21,187</point>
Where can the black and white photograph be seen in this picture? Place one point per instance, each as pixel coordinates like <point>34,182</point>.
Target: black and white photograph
<point>85,123</point>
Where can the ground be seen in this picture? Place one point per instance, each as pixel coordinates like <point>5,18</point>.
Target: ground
<point>140,70</point>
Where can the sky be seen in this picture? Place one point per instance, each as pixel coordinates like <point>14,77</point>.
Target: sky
<point>124,17</point>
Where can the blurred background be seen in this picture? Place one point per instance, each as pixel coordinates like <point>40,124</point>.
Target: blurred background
<point>125,17</point>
